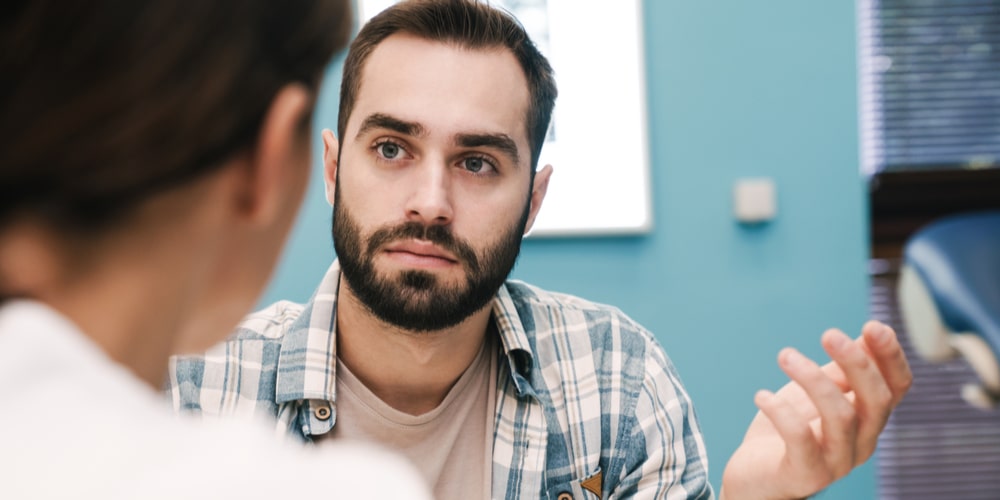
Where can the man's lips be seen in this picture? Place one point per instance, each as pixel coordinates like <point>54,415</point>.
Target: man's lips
<point>420,252</point>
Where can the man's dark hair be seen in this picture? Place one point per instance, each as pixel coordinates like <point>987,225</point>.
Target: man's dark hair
<point>467,24</point>
<point>105,102</point>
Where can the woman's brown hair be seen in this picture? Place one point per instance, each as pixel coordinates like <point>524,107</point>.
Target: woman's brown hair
<point>105,102</point>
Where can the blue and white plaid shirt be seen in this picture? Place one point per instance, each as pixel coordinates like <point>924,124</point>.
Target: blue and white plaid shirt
<point>587,401</point>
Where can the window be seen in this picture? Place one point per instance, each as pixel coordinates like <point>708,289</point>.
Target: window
<point>930,84</point>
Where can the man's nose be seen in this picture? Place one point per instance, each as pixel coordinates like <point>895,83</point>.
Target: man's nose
<point>430,199</point>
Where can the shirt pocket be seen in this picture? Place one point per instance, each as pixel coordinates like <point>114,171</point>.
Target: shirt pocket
<point>579,489</point>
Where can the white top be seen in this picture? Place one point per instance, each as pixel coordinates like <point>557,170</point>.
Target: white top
<point>74,424</point>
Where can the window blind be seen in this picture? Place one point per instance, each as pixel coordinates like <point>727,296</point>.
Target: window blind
<point>930,84</point>
<point>935,446</point>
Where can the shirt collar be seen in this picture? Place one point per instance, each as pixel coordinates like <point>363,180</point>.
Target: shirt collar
<point>516,343</point>
<point>307,363</point>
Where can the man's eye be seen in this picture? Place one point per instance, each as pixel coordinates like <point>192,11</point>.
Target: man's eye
<point>474,164</point>
<point>388,150</point>
<point>477,165</point>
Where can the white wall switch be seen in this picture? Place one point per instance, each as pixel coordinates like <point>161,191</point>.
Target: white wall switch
<point>755,200</point>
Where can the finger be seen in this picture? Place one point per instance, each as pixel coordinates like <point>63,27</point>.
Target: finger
<point>838,419</point>
<point>882,343</point>
<point>832,369</point>
<point>872,398</point>
<point>794,393</point>
<point>801,446</point>
<point>889,363</point>
<point>898,379</point>
<point>836,374</point>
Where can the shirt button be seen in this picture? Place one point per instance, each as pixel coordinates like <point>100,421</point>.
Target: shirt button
<point>322,413</point>
<point>565,496</point>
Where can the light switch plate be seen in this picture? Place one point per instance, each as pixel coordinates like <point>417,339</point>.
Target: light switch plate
<point>755,200</point>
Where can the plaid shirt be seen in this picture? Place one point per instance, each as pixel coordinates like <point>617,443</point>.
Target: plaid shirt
<point>587,401</point>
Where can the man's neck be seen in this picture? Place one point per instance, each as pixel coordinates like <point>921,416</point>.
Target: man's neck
<point>410,371</point>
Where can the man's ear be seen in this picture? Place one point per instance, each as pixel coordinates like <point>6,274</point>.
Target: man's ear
<point>279,161</point>
<point>538,191</point>
<point>331,150</point>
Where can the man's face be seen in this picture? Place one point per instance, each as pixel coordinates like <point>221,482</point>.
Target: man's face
<point>432,191</point>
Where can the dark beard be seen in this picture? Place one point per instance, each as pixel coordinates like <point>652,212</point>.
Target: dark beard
<point>415,300</point>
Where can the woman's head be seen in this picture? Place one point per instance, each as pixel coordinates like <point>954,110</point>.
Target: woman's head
<point>127,127</point>
<point>107,102</point>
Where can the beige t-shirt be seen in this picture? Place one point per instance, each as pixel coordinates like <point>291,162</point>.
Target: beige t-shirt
<point>451,445</point>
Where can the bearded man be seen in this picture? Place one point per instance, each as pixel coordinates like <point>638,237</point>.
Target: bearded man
<point>497,389</point>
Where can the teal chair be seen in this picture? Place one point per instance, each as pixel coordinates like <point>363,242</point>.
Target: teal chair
<point>949,297</point>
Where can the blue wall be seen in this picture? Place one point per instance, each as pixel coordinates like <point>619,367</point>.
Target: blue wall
<point>736,89</point>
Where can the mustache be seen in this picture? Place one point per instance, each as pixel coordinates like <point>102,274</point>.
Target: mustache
<point>437,234</point>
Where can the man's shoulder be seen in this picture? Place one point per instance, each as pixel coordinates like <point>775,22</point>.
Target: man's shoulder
<point>240,373</point>
<point>522,292</point>
<point>555,324</point>
<point>255,340</point>
<point>562,306</point>
<point>270,323</point>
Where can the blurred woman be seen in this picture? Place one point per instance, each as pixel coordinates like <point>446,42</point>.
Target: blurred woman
<point>153,156</point>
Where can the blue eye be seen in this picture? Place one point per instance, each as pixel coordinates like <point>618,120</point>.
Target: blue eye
<point>478,165</point>
<point>388,150</point>
<point>474,164</point>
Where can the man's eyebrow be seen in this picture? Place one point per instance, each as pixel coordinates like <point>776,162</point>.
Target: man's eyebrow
<point>501,142</point>
<point>380,120</point>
